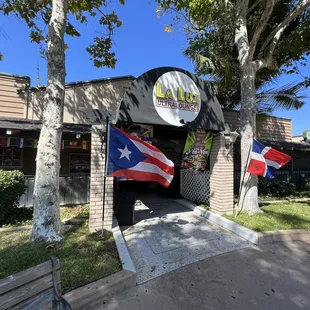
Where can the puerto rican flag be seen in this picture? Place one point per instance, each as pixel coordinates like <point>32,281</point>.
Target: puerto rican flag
<point>135,159</point>
<point>266,160</point>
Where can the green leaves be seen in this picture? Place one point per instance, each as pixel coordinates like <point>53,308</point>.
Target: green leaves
<point>100,52</point>
<point>285,97</point>
<point>35,13</point>
<point>210,29</point>
<point>12,186</point>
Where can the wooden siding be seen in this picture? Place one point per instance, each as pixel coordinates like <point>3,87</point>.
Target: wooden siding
<point>74,189</point>
<point>12,104</point>
<point>105,95</point>
<point>268,127</point>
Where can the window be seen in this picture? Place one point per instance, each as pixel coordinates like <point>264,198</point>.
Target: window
<point>79,163</point>
<point>10,157</point>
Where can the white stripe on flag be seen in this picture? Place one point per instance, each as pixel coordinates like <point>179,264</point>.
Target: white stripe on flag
<point>265,150</point>
<point>258,156</point>
<point>147,167</point>
<point>160,156</point>
<point>273,164</point>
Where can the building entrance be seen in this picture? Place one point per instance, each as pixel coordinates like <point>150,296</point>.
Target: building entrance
<point>135,196</point>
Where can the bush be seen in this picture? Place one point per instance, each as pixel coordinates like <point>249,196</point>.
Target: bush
<point>12,186</point>
<point>303,186</point>
<point>276,188</point>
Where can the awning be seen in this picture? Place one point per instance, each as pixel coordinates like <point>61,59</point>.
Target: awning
<point>171,96</point>
<point>34,125</point>
<point>166,96</point>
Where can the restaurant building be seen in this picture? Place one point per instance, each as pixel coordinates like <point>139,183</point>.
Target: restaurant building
<point>161,106</point>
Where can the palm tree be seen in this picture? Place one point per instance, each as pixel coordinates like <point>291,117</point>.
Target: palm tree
<point>223,76</point>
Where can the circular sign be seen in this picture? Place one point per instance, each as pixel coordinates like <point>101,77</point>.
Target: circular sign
<point>176,98</point>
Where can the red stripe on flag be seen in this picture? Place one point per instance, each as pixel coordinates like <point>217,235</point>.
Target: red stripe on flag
<point>257,167</point>
<point>140,176</point>
<point>279,157</point>
<point>152,160</point>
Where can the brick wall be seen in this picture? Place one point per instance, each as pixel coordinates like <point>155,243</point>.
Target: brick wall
<point>221,177</point>
<point>96,186</point>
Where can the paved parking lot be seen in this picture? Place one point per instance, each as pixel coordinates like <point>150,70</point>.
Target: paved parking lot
<point>168,236</point>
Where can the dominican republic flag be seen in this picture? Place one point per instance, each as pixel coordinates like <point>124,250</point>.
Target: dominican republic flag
<point>266,160</point>
<point>135,159</point>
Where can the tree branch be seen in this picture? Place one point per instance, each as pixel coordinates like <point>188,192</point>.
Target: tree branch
<point>259,64</point>
<point>275,36</point>
<point>261,26</point>
<point>241,32</point>
<point>242,8</point>
<point>254,5</point>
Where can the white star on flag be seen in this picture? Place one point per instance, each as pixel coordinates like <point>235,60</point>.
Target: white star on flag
<point>125,153</point>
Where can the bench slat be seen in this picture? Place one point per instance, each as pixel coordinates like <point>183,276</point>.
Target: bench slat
<point>23,277</point>
<point>24,292</point>
<point>37,302</point>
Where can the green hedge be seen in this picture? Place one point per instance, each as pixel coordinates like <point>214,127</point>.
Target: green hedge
<point>12,186</point>
<point>276,188</point>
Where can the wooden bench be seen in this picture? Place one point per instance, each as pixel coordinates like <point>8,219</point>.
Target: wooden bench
<point>38,287</point>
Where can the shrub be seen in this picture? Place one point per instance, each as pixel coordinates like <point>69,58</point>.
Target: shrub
<point>12,186</point>
<point>303,186</point>
<point>276,188</point>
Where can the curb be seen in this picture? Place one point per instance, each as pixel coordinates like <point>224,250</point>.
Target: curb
<point>122,247</point>
<point>235,228</point>
<point>284,236</point>
<point>18,228</point>
<point>95,293</point>
<point>257,238</point>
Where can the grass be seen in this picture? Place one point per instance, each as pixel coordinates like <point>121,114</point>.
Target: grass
<point>67,212</point>
<point>276,217</point>
<point>205,206</point>
<point>84,257</point>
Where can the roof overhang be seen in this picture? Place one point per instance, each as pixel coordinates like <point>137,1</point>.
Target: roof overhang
<point>34,125</point>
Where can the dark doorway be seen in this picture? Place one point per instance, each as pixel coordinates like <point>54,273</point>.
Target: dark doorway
<point>129,194</point>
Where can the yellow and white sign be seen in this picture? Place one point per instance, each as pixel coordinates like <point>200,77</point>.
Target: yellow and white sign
<point>176,98</point>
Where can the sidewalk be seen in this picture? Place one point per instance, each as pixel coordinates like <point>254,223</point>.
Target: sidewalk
<point>270,277</point>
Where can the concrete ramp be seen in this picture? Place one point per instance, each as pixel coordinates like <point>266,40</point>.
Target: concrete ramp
<point>168,236</point>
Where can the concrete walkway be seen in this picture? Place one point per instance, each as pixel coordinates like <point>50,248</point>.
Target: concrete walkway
<point>168,236</point>
<point>276,276</point>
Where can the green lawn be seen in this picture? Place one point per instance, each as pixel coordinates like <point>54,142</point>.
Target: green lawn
<point>83,257</point>
<point>66,212</point>
<point>276,216</point>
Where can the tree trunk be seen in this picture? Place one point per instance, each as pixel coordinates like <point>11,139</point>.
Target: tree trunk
<point>248,199</point>
<point>46,218</point>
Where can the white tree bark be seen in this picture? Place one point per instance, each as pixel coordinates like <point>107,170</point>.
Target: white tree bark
<point>46,218</point>
<point>248,196</point>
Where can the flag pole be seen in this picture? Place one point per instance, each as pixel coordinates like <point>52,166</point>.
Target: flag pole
<point>106,140</point>
<point>242,183</point>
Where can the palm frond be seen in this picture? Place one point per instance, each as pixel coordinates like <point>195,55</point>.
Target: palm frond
<point>287,97</point>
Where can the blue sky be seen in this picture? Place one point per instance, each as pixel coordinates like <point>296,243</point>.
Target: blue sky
<point>140,44</point>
